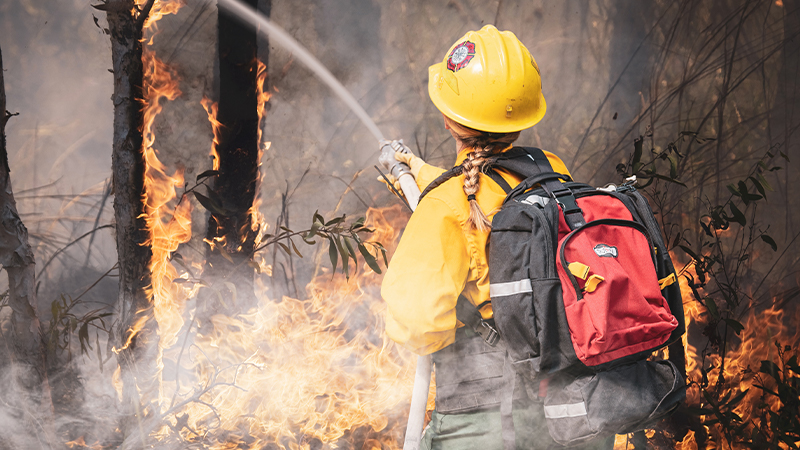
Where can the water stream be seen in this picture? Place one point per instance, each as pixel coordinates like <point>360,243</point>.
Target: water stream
<point>277,35</point>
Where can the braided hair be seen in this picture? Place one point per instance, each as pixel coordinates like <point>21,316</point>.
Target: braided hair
<point>483,146</point>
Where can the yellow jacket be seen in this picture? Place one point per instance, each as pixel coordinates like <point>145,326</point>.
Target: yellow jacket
<point>439,257</point>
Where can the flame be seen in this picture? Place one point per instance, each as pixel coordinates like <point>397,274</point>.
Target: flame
<point>289,373</point>
<point>81,443</point>
<point>257,223</point>
<point>292,372</point>
<point>212,108</point>
<point>168,226</point>
<point>160,9</point>
<point>743,357</point>
<point>167,218</point>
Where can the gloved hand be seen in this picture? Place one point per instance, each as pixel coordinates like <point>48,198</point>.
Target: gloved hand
<point>396,184</point>
<point>403,154</point>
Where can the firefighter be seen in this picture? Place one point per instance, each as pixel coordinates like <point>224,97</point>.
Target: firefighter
<point>488,89</point>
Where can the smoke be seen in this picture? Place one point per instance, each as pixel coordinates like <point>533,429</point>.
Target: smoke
<point>601,69</point>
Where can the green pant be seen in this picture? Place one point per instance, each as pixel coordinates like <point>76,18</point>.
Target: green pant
<point>482,431</point>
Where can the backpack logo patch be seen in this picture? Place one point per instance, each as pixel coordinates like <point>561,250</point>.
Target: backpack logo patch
<point>460,56</point>
<point>605,251</point>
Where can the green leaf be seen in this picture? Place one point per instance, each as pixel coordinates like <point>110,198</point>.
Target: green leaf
<point>315,225</point>
<point>209,204</point>
<point>758,185</point>
<point>731,187</point>
<point>735,325</point>
<point>294,247</point>
<point>284,247</point>
<point>671,180</point>
<point>771,369</point>
<point>764,182</point>
<point>206,174</point>
<point>371,261</point>
<point>673,167</point>
<point>345,257</point>
<point>385,260</point>
<point>737,215</point>
<point>792,364</point>
<point>83,337</point>
<point>739,397</point>
<point>690,252</point>
<point>333,253</point>
<point>743,191</point>
<point>334,221</point>
<point>786,157</point>
<point>771,242</point>
<point>350,250</point>
<point>711,306</point>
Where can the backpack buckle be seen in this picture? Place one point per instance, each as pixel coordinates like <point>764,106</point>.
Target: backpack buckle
<point>489,334</point>
<point>567,201</point>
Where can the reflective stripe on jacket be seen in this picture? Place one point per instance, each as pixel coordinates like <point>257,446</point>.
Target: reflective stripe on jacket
<point>439,257</point>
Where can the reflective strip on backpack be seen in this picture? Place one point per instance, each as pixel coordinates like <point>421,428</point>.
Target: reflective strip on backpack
<point>510,288</point>
<point>568,410</point>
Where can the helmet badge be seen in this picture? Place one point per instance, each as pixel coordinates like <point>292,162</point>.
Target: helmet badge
<point>461,55</point>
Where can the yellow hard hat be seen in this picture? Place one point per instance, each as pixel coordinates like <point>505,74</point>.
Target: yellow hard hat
<point>488,81</point>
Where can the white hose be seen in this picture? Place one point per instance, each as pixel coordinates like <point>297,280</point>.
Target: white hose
<point>410,189</point>
<point>422,377</point>
<point>419,403</point>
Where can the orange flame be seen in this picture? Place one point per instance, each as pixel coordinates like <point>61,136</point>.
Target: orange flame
<point>292,371</point>
<point>288,372</point>
<point>743,357</point>
<point>160,9</point>
<point>168,227</point>
<point>212,108</point>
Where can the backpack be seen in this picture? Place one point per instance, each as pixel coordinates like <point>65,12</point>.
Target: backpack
<point>583,292</point>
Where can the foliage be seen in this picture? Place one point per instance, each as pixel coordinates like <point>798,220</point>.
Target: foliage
<point>343,238</point>
<point>66,322</point>
<point>720,277</point>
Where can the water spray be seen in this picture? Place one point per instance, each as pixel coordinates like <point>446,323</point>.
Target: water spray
<point>401,171</point>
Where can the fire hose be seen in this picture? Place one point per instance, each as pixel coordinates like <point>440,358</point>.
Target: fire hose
<point>422,377</point>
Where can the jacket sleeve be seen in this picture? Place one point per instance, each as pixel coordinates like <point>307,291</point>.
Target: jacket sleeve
<point>425,276</point>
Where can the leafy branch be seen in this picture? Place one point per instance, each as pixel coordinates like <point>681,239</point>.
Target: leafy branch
<point>343,240</point>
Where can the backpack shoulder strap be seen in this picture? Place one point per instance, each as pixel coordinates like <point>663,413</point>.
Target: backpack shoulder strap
<point>524,161</point>
<point>454,172</point>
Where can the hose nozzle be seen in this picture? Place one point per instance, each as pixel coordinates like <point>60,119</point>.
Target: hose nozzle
<point>387,160</point>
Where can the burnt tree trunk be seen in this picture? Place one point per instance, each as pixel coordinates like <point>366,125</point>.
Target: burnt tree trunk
<point>128,168</point>
<point>233,231</point>
<point>16,256</point>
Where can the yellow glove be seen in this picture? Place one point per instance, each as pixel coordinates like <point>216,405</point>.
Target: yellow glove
<point>395,184</point>
<point>414,162</point>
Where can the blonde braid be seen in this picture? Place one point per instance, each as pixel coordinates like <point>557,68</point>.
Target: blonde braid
<point>476,162</point>
<point>473,166</point>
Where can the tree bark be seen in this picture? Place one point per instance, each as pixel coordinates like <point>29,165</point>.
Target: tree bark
<point>234,231</point>
<point>128,169</point>
<point>16,256</point>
